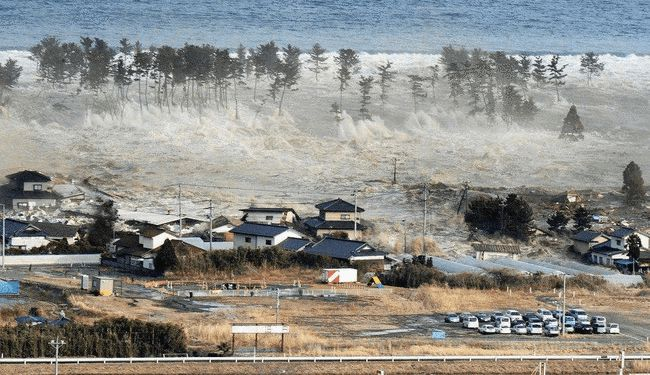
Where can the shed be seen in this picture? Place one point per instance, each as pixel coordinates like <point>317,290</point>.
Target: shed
<point>339,275</point>
<point>102,286</point>
<point>486,251</point>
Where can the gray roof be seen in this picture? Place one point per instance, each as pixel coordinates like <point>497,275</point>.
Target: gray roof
<point>337,205</point>
<point>342,249</point>
<point>261,230</point>
<point>268,209</point>
<point>28,176</point>
<point>623,232</point>
<point>497,248</point>
<point>586,236</point>
<point>294,244</point>
<point>605,249</point>
<point>57,230</point>
<point>316,223</point>
<point>19,228</point>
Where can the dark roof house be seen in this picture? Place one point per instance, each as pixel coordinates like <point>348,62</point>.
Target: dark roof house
<point>586,236</point>
<point>294,244</point>
<point>337,205</point>
<point>345,250</point>
<point>28,176</point>
<point>263,230</point>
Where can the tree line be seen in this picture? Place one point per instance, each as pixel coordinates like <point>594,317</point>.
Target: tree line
<point>197,76</point>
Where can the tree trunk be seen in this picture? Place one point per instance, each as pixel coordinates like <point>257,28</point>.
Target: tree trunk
<point>284,87</point>
<point>235,93</point>
<point>140,93</point>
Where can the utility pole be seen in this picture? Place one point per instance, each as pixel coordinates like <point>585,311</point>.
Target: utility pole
<point>210,208</point>
<point>424,217</point>
<point>404,226</point>
<point>277,306</point>
<point>564,305</point>
<point>3,236</point>
<point>180,213</point>
<point>56,344</point>
<point>621,370</point>
<point>394,171</point>
<point>355,215</point>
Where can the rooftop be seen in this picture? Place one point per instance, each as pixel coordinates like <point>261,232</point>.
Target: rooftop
<point>343,249</point>
<point>496,248</point>
<point>623,232</point>
<point>318,223</point>
<point>338,205</point>
<point>28,176</point>
<point>262,230</point>
<point>586,236</point>
<point>294,244</point>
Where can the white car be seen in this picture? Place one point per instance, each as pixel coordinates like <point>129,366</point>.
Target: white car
<point>551,323</point>
<point>535,329</point>
<point>470,322</point>
<point>502,321</point>
<point>544,314</point>
<point>514,315</point>
<point>613,328</point>
<point>551,331</point>
<point>487,329</point>
<point>503,329</point>
<point>579,314</point>
<point>569,328</point>
<point>520,329</point>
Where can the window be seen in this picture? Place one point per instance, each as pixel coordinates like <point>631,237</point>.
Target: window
<point>23,205</point>
<point>247,239</point>
<point>269,217</point>
<point>345,216</point>
<point>618,242</point>
<point>37,187</point>
<point>269,242</point>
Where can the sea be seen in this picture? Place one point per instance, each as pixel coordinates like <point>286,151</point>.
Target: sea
<point>537,27</point>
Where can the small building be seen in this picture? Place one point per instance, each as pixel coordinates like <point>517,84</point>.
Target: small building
<point>270,215</point>
<point>336,217</point>
<point>102,286</point>
<point>605,255</point>
<point>152,237</point>
<point>619,238</point>
<point>27,235</point>
<point>584,241</point>
<point>339,275</point>
<point>30,189</point>
<point>347,250</point>
<point>256,236</point>
<point>484,251</point>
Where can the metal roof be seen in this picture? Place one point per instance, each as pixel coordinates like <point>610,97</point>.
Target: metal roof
<point>294,244</point>
<point>262,230</point>
<point>586,236</point>
<point>623,232</point>
<point>450,266</point>
<point>318,223</point>
<point>338,205</point>
<point>28,176</point>
<point>496,248</point>
<point>343,249</point>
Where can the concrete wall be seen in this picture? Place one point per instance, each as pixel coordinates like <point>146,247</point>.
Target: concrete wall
<point>43,260</point>
<point>33,203</point>
<point>28,243</point>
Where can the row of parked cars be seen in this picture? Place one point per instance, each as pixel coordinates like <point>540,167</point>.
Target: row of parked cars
<point>540,322</point>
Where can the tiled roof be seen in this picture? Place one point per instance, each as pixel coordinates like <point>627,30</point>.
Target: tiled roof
<point>262,230</point>
<point>623,232</point>
<point>316,223</point>
<point>497,248</point>
<point>29,176</point>
<point>294,244</point>
<point>586,236</point>
<point>338,205</point>
<point>342,249</point>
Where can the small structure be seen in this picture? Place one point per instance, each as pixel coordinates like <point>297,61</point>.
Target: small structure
<point>484,251</point>
<point>619,238</point>
<point>270,215</point>
<point>85,282</point>
<point>339,275</point>
<point>584,241</point>
<point>257,329</point>
<point>9,287</point>
<point>256,236</point>
<point>348,250</point>
<point>336,216</point>
<point>152,237</point>
<point>102,286</point>
<point>438,334</point>
<point>605,255</point>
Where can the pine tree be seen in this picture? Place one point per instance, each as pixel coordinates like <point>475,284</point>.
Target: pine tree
<point>417,89</point>
<point>633,185</point>
<point>511,101</point>
<point>74,60</point>
<point>572,127</point>
<point>365,85</point>
<point>142,64</point>
<point>524,71</point>
<point>539,71</point>
<point>582,219</point>
<point>557,221</point>
<point>590,66</point>
<point>50,59</point>
<point>99,58</point>
<point>633,246</point>
<point>288,71</point>
<point>434,75</point>
<point>386,76</point>
<point>455,77</point>
<point>236,73</point>
<point>317,60</point>
<point>9,75</point>
<point>348,62</point>
<point>556,74</point>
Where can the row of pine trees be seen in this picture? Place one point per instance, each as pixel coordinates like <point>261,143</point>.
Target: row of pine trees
<point>197,76</point>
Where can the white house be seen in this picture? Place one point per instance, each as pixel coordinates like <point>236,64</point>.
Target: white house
<point>30,189</point>
<point>270,215</point>
<point>251,235</point>
<point>619,238</point>
<point>606,255</point>
<point>152,238</point>
<point>28,235</point>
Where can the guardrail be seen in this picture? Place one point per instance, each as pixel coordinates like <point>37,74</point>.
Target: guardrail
<point>546,358</point>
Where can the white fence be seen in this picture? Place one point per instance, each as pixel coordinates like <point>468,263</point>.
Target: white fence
<point>476,358</point>
<point>45,260</point>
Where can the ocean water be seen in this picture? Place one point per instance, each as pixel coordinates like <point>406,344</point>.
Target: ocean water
<point>560,26</point>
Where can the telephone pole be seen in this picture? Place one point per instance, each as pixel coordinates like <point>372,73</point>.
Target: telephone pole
<point>180,213</point>
<point>56,344</point>
<point>210,217</point>
<point>394,171</point>
<point>3,235</point>
<point>424,217</point>
<point>277,306</point>
<point>355,214</point>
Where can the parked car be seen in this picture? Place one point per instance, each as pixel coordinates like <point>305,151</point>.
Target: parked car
<point>583,327</point>
<point>535,329</point>
<point>556,313</point>
<point>502,321</point>
<point>483,317</point>
<point>487,329</point>
<point>452,318</point>
<point>597,319</point>
<point>496,314</point>
<point>569,328</point>
<point>599,328</point>
<point>551,323</point>
<point>503,329</point>
<point>470,322</point>
<point>551,331</point>
<point>544,314</point>
<point>514,315</point>
<point>529,315</point>
<point>567,319</point>
<point>579,314</point>
<point>614,328</point>
<point>464,316</point>
<point>517,322</point>
<point>520,329</point>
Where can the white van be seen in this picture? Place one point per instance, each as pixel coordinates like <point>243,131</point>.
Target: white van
<point>502,321</point>
<point>470,322</point>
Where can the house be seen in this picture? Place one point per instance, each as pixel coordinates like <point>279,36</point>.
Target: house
<point>584,241</point>
<point>221,227</point>
<point>605,255</point>
<point>29,189</point>
<point>270,215</point>
<point>294,244</point>
<point>336,216</point>
<point>485,251</point>
<point>153,238</point>
<point>619,238</point>
<point>251,235</point>
<point>348,250</point>
<point>27,235</point>
<point>199,243</point>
